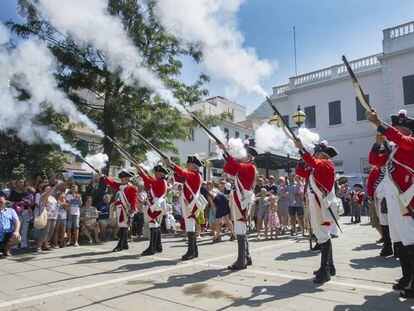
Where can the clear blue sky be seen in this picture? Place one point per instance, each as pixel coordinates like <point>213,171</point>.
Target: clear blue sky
<point>325,29</point>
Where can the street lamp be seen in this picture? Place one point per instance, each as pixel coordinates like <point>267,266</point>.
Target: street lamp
<point>299,117</point>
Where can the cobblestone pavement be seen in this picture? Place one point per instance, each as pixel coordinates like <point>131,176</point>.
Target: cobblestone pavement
<point>93,278</point>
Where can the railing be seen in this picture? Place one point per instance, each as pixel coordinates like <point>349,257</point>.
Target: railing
<point>312,77</point>
<point>401,30</point>
<point>359,64</point>
<point>282,89</point>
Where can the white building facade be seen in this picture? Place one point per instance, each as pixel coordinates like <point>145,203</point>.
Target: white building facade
<point>328,98</point>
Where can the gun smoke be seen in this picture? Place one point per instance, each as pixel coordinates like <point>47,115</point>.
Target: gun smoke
<point>270,138</point>
<point>98,161</point>
<point>214,25</point>
<point>90,22</point>
<point>28,69</point>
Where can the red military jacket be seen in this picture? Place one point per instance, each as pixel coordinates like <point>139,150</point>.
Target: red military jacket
<point>246,172</point>
<point>404,154</point>
<point>193,179</point>
<point>373,176</point>
<point>158,185</point>
<point>323,171</point>
<point>159,189</point>
<point>357,197</point>
<point>130,191</point>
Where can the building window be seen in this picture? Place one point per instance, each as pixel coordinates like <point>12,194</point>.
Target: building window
<point>365,167</point>
<point>226,131</point>
<point>335,112</point>
<point>286,117</point>
<point>339,166</point>
<point>192,138</point>
<point>310,121</point>
<point>236,134</point>
<point>408,87</point>
<point>360,110</point>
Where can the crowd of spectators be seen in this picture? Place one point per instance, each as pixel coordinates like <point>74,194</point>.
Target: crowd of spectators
<point>77,215</point>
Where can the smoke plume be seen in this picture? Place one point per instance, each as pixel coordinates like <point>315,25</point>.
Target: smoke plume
<point>98,161</point>
<point>214,25</point>
<point>90,22</point>
<point>152,159</point>
<point>236,148</point>
<point>216,130</point>
<point>30,67</point>
<point>272,138</point>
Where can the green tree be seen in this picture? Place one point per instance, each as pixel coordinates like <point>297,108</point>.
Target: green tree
<point>120,107</point>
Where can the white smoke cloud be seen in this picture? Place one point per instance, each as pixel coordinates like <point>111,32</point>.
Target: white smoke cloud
<point>236,148</point>
<point>214,25</point>
<point>152,159</point>
<point>216,130</point>
<point>272,138</point>
<point>89,21</point>
<point>30,66</point>
<point>98,161</point>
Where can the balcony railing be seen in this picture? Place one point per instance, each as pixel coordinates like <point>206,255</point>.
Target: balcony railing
<point>401,30</point>
<point>326,74</point>
<point>359,64</point>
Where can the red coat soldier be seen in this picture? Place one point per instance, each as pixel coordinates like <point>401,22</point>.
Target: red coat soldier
<point>156,188</point>
<point>244,172</point>
<point>320,173</point>
<point>357,201</point>
<point>191,200</point>
<point>126,201</point>
<point>399,189</point>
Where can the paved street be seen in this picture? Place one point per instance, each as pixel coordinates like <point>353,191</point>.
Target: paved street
<point>94,278</point>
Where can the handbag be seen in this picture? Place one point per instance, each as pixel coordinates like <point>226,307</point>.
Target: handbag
<point>40,220</point>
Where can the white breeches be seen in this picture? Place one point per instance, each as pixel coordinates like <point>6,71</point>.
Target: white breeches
<point>153,225</point>
<point>321,232</point>
<point>170,222</point>
<point>190,224</point>
<point>401,227</point>
<point>334,229</point>
<point>124,222</point>
<point>240,227</point>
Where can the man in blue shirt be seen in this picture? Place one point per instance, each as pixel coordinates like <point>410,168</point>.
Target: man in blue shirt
<point>9,227</point>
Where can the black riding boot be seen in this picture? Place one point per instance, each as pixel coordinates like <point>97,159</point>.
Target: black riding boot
<point>195,246</point>
<point>402,253</point>
<point>387,248</point>
<point>151,248</point>
<point>241,262</point>
<point>191,247</point>
<point>332,269</point>
<point>158,245</point>
<point>125,240</point>
<point>248,257</point>
<point>409,292</point>
<point>324,275</point>
<point>316,248</point>
<point>119,246</point>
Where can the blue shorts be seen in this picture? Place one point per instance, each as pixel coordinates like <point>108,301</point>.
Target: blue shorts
<point>61,221</point>
<point>72,222</point>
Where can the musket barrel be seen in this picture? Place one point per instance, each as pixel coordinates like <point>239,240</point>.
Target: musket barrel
<point>288,128</point>
<point>149,144</point>
<point>123,151</point>
<point>205,128</point>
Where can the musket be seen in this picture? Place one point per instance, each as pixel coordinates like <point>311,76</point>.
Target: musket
<point>284,123</point>
<point>149,144</point>
<point>90,165</point>
<point>123,151</point>
<point>205,128</point>
<point>360,93</point>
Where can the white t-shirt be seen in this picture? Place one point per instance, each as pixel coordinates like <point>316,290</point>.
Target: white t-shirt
<point>74,203</point>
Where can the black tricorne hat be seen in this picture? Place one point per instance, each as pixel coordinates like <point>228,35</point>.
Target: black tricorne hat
<point>250,150</point>
<point>323,147</point>
<point>125,173</point>
<point>402,119</point>
<point>195,159</point>
<point>159,168</point>
<point>358,185</point>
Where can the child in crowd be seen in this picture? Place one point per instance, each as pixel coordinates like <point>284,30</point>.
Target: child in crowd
<point>60,228</point>
<point>273,223</point>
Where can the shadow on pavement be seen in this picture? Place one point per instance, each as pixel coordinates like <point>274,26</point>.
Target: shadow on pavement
<point>386,302</point>
<point>266,294</point>
<point>369,263</point>
<point>367,247</point>
<point>295,255</point>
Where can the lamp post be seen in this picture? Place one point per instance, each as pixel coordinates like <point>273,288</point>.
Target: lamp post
<point>299,117</point>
